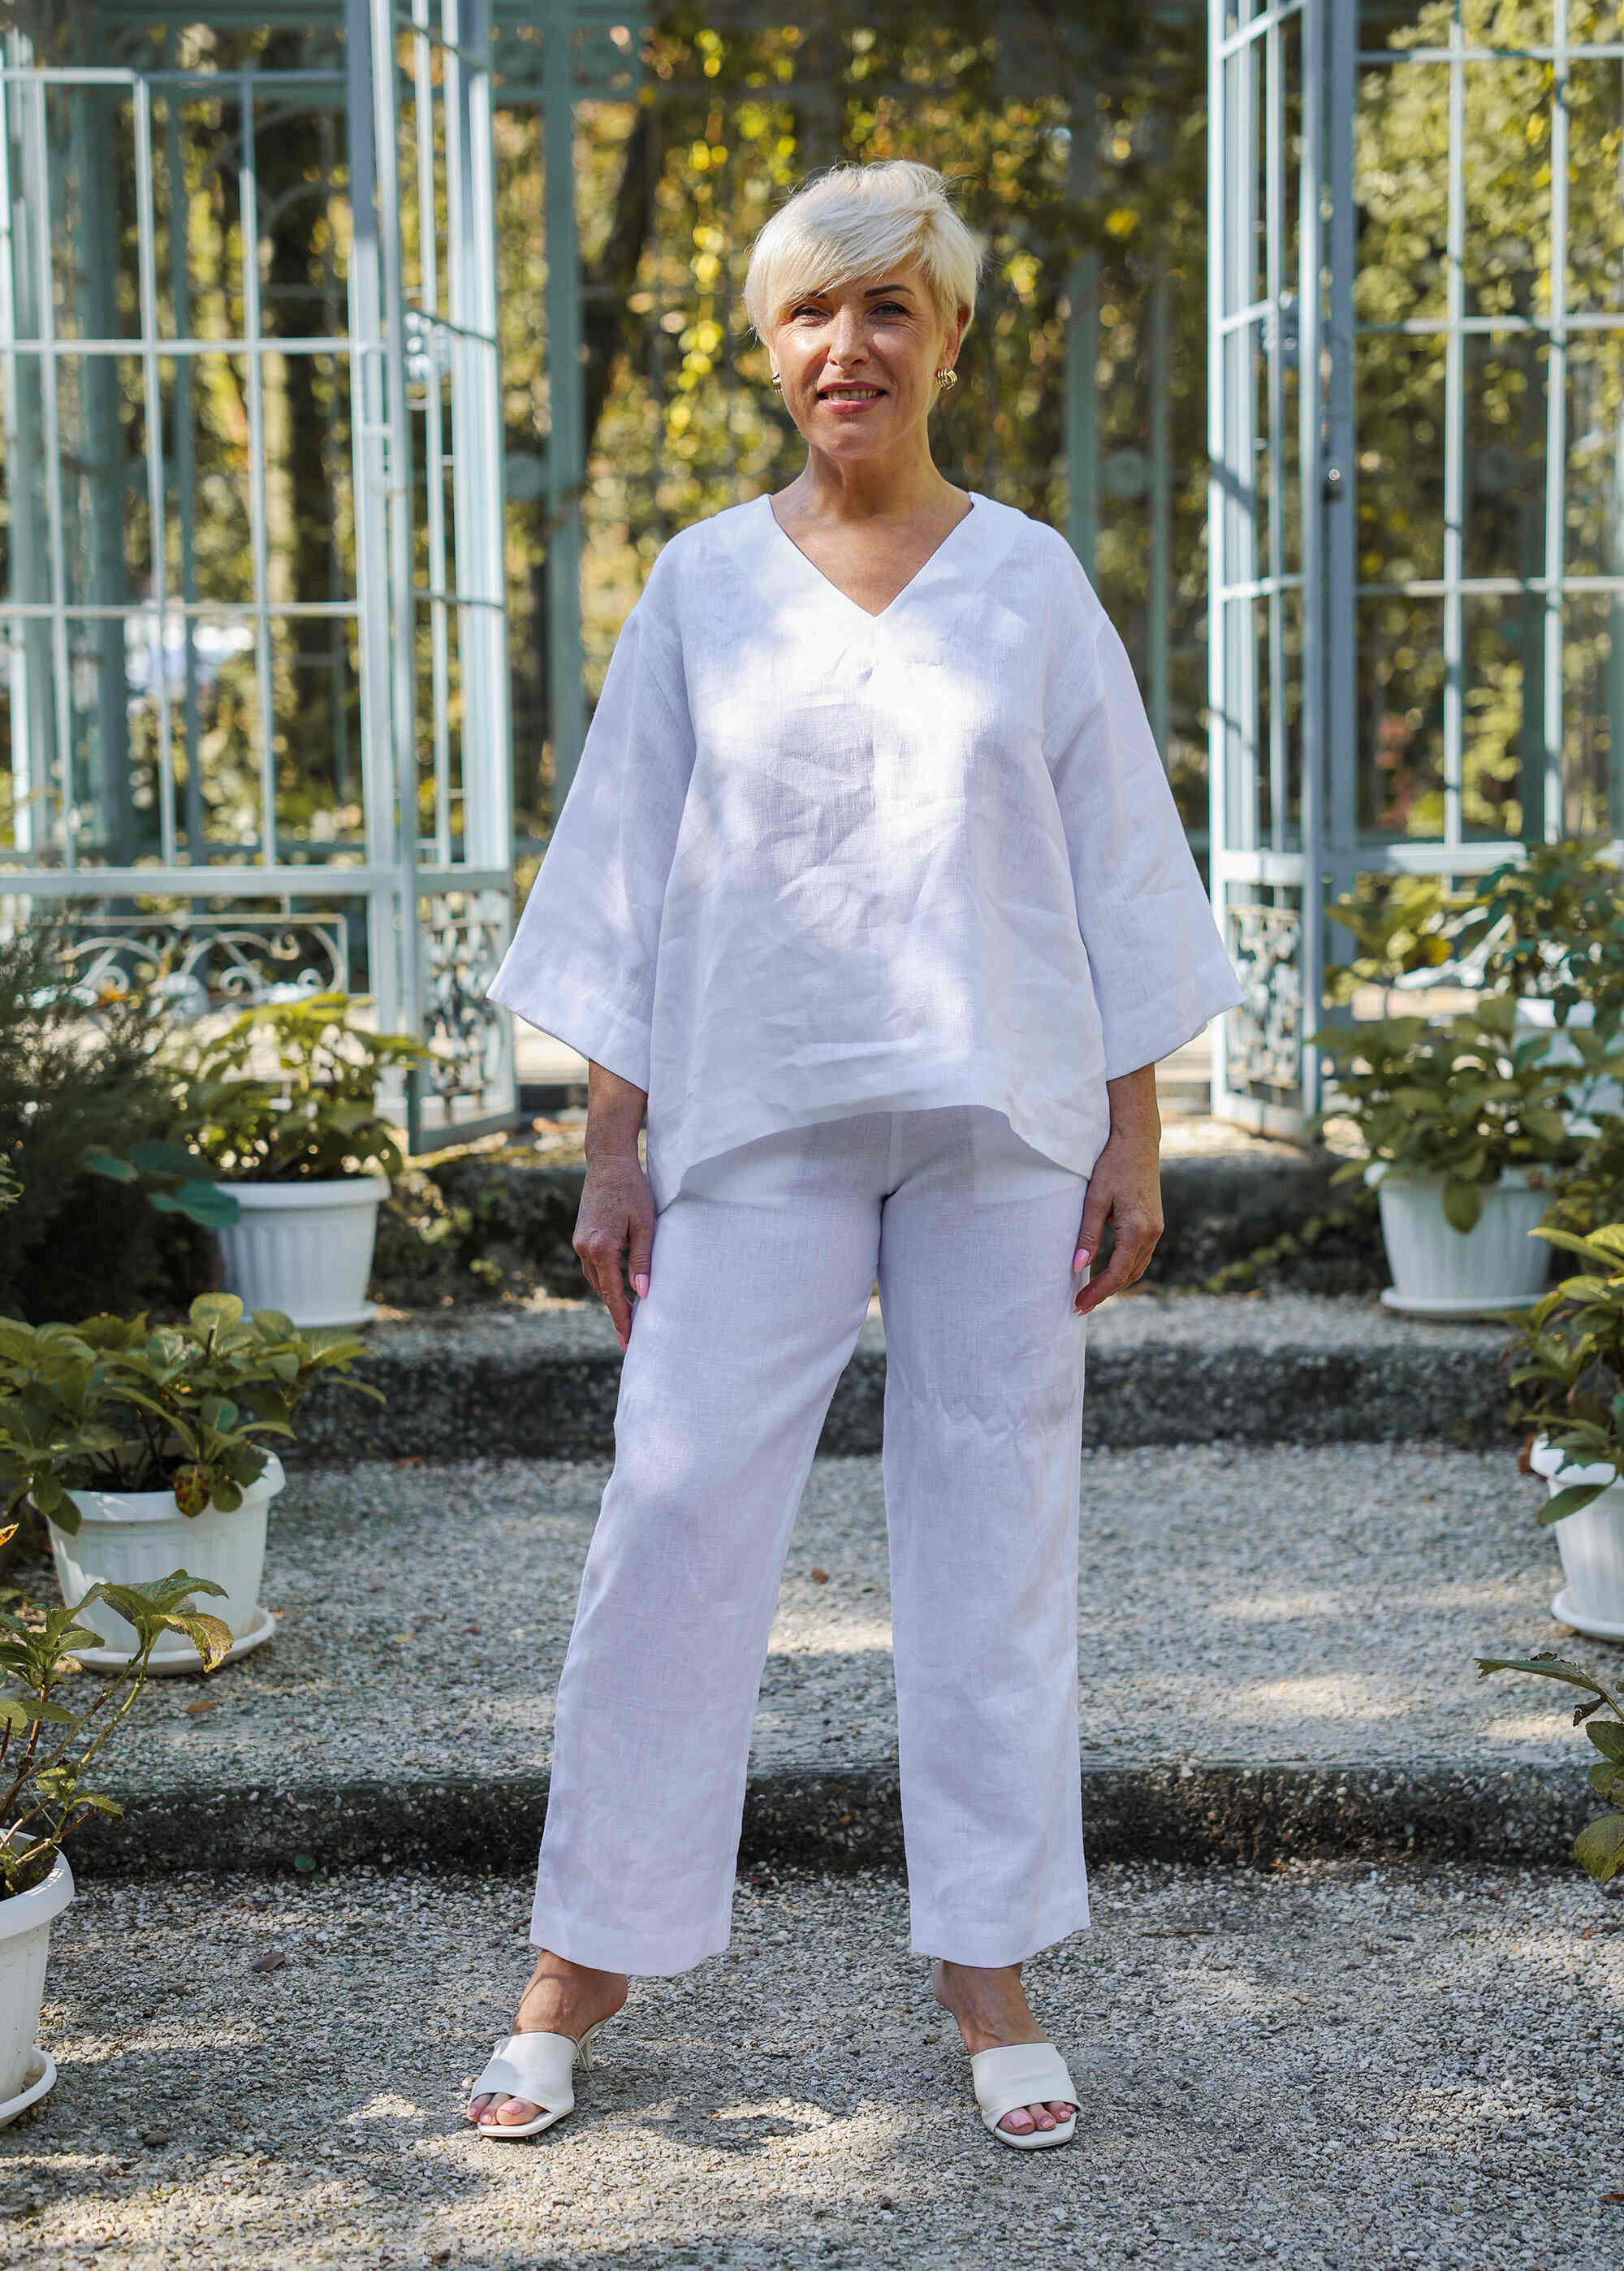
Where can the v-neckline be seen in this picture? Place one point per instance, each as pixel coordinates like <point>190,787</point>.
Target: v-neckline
<point>895,601</point>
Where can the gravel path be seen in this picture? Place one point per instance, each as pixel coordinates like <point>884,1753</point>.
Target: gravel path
<point>1293,1603</point>
<point>1322,2066</point>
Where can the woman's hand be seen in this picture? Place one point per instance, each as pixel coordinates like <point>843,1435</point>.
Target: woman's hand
<point>616,1221</point>
<point>1124,1190</point>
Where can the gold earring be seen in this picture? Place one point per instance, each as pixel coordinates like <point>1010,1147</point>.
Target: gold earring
<point>946,378</point>
<point>778,384</point>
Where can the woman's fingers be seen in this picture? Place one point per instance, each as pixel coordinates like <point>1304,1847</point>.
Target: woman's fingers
<point>600,1258</point>
<point>1136,1242</point>
<point>1096,1211</point>
<point>640,1252</point>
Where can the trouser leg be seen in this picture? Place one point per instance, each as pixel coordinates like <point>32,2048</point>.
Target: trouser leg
<point>983,1411</point>
<point>752,1312</point>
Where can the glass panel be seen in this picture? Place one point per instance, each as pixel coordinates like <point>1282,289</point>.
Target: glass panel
<point>1400,408</point>
<point>1401,140</point>
<point>107,526</point>
<point>1501,759</point>
<point>1506,185</point>
<point>226,794</point>
<point>316,702</point>
<point>90,130</point>
<point>1595,455</point>
<point>208,305</point>
<point>303,225</point>
<point>1595,186</point>
<point>1505,454</point>
<point>1401,716</point>
<point>1592,713</point>
<point>212,553</point>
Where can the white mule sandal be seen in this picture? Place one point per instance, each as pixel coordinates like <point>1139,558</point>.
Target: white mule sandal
<point>541,2069</point>
<point>1024,2073</point>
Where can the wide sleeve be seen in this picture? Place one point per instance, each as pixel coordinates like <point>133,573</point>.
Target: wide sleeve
<point>1159,964</point>
<point>581,964</point>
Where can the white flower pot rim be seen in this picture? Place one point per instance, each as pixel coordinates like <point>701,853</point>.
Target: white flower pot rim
<point>1538,1010</point>
<point>1547,1460</point>
<point>1510,1179</point>
<point>25,1911</point>
<point>343,1190</point>
<point>160,1505</point>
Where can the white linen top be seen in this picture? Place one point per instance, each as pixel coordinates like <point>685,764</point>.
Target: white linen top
<point>815,861</point>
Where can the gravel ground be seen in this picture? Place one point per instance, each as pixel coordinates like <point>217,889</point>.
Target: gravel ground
<point>1322,2066</point>
<point>1291,1604</point>
<point>1353,1323</point>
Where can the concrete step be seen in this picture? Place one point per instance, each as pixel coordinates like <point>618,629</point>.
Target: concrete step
<point>1275,1658</point>
<point>542,1381</point>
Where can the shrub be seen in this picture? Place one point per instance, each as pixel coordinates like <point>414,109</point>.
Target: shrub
<point>1464,1099</point>
<point>80,1081</point>
<point>317,1118</point>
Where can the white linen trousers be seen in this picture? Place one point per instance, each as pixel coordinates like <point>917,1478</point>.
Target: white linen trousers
<point>763,1261</point>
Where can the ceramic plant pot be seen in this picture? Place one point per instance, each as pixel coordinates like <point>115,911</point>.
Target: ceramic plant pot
<point>1591,1544</point>
<point>1440,1271</point>
<point>305,1248</point>
<point>132,1537</point>
<point>25,1921</point>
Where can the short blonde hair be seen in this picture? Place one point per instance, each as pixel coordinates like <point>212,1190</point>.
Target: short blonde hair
<point>863,221</point>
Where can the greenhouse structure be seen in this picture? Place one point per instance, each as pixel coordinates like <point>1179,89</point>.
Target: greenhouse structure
<point>357,356</point>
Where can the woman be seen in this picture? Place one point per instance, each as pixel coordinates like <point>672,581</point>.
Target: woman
<point>870,891</point>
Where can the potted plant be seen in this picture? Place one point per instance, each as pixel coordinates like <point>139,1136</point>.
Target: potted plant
<point>1546,928</point>
<point>1462,1126</point>
<point>1599,1848</point>
<point>46,1751</point>
<point>1568,1377</point>
<point>1549,928</point>
<point>142,1444</point>
<point>282,1105</point>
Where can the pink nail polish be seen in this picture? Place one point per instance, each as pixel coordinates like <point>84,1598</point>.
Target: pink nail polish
<point>642,1284</point>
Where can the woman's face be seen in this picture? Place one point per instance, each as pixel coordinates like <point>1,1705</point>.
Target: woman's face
<point>858,363</point>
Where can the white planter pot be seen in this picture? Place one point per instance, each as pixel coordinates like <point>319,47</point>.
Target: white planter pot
<point>1591,1098</point>
<point>26,1923</point>
<point>305,1248</point>
<point>132,1537</point>
<point>1439,1271</point>
<point>1591,1544</point>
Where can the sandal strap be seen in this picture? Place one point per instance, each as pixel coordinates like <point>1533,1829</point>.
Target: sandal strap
<point>537,2067</point>
<point>1019,2073</point>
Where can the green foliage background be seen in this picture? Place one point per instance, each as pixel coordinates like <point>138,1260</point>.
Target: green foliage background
<point>672,185</point>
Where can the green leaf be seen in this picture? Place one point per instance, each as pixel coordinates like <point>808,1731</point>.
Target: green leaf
<point>163,1159</point>
<point>208,1205</point>
<point>1600,1847</point>
<point>115,1170</point>
<point>215,1310</point>
<point>1608,1737</point>
<point>20,1711</point>
<point>1463,1203</point>
<point>1547,1667</point>
<point>1571,1500</point>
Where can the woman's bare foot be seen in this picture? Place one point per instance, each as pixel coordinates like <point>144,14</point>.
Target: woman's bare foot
<point>992,2011</point>
<point>561,1998</point>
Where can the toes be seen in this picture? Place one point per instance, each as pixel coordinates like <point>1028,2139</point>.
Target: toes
<point>514,2110</point>
<point>478,2107</point>
<point>1061,2110</point>
<point>1020,2122</point>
